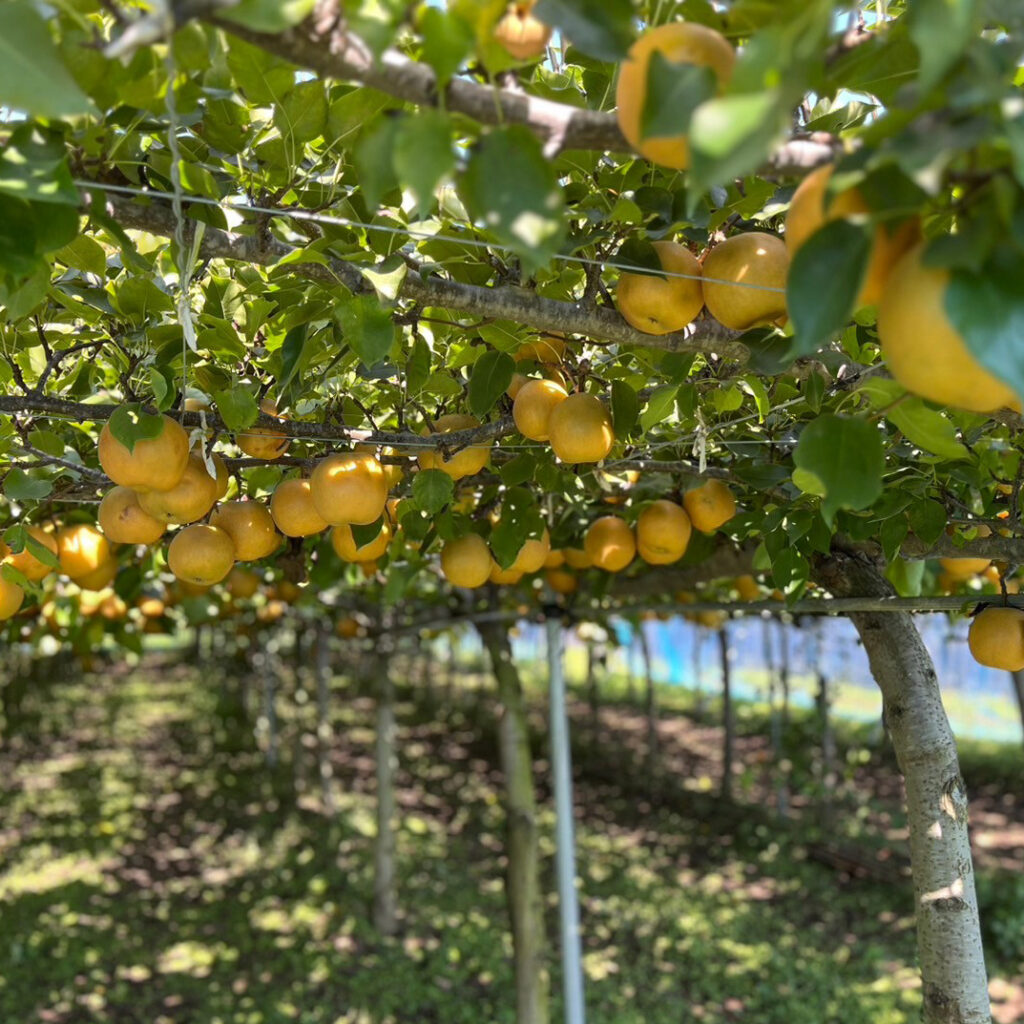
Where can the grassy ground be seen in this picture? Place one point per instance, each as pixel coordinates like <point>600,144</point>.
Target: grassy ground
<point>153,869</point>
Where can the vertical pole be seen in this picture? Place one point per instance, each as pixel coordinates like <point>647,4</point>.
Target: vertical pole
<point>565,857</point>
<point>270,706</point>
<point>385,898</point>
<point>323,716</point>
<point>651,709</point>
<point>727,715</point>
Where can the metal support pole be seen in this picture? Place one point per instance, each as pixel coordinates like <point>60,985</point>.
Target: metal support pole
<point>565,857</point>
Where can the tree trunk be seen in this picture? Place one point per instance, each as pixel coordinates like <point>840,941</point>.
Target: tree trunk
<point>385,900</point>
<point>780,724</point>
<point>828,747</point>
<point>698,671</point>
<point>522,883</point>
<point>593,697</point>
<point>651,709</point>
<point>1018,689</point>
<point>955,988</point>
<point>631,666</point>
<point>323,717</point>
<point>269,714</point>
<point>727,715</point>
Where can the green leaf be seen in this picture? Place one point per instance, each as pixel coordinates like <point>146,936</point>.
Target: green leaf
<point>788,567</point>
<point>625,408</point>
<point>988,311</point>
<point>941,31</point>
<point>927,520</point>
<point>263,79</point>
<point>847,456</point>
<point>164,389</point>
<point>447,42</point>
<point>374,160</point>
<point>302,114</point>
<point>417,366</point>
<point>423,154</point>
<point>33,78</point>
<point>514,192</point>
<point>892,534</point>
<point>86,254</point>
<point>674,91</point>
<point>823,281</point>
<point>731,135</point>
<point>237,407</point>
<point>659,405</point>
<point>491,376</point>
<point>520,520</point>
<point>130,424</point>
<point>365,533</point>
<point>33,165</point>
<point>292,351</point>
<point>603,30</point>
<point>22,485</point>
<point>40,551</point>
<point>519,470</point>
<point>432,489</point>
<point>923,426</point>
<point>905,576</point>
<point>367,327</point>
<point>268,15</point>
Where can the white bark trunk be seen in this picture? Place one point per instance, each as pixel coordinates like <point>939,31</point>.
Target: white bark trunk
<point>385,899</point>
<point>955,986</point>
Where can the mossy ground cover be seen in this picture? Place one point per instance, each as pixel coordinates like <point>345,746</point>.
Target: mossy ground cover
<point>153,868</point>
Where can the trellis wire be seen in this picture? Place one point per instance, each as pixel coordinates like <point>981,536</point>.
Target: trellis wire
<point>346,222</point>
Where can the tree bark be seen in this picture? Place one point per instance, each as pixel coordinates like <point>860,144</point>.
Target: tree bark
<point>728,724</point>
<point>593,695</point>
<point>522,883</point>
<point>822,702</point>
<point>698,671</point>
<point>323,717</point>
<point>1018,689</point>
<point>651,709</point>
<point>385,899</point>
<point>955,987</point>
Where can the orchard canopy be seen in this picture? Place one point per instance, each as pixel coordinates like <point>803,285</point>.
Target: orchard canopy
<point>593,302</point>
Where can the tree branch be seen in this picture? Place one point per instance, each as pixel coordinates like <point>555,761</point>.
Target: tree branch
<point>705,336</point>
<point>327,48</point>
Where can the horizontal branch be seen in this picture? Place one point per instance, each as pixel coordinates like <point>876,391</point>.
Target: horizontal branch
<point>705,336</point>
<point>402,441</point>
<point>324,46</point>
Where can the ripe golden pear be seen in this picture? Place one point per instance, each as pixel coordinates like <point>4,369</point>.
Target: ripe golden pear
<point>745,280</point>
<point>996,638</point>
<point>263,442</point>
<point>811,208</point>
<point>532,408</point>
<point>242,583</point>
<point>521,32</point>
<point>123,520</point>
<point>81,550</point>
<point>663,532</point>
<point>293,510</point>
<point>11,598</point>
<point>610,543</point>
<point>466,462</point>
<point>26,563</point>
<point>250,527</point>
<point>533,554</point>
<point>710,505</point>
<point>200,554</point>
<point>155,464</point>
<point>466,561</point>
<point>547,348</point>
<point>964,568</point>
<point>661,305</point>
<point>580,429</point>
<point>679,42</point>
<point>344,544</point>
<point>189,500</point>
<point>349,487</point>
<point>922,348</point>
